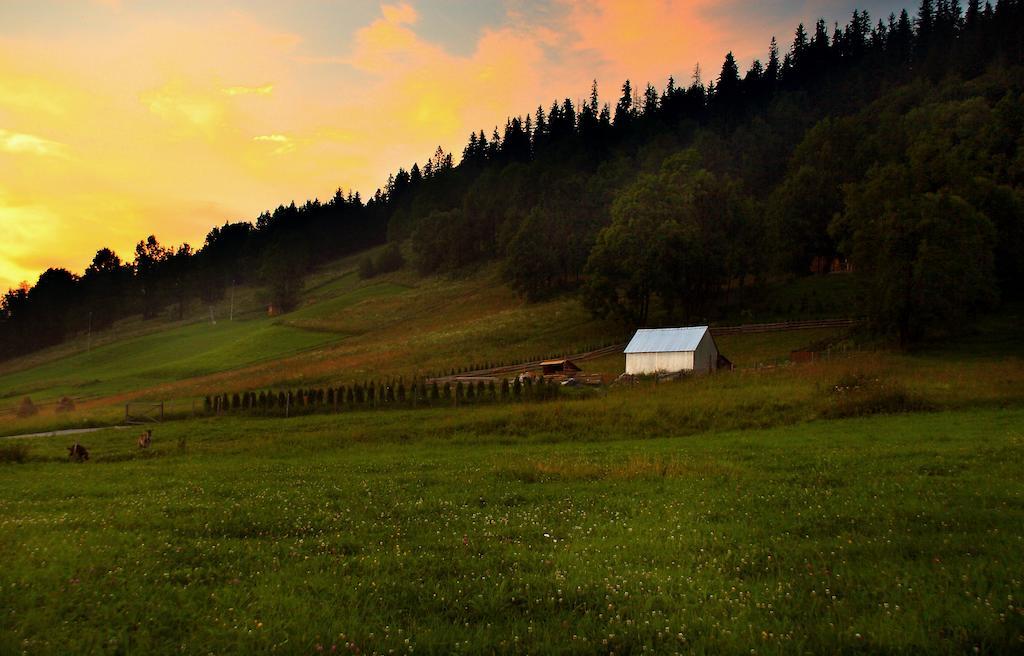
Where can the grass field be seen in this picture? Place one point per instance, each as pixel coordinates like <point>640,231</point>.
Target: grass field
<point>869,503</point>
<point>495,530</point>
<point>346,329</point>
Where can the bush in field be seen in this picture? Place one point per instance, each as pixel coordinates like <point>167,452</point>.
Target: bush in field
<point>367,268</point>
<point>27,408</point>
<point>390,259</point>
<point>15,452</point>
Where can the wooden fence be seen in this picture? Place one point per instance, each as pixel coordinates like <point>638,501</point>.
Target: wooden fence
<point>783,326</point>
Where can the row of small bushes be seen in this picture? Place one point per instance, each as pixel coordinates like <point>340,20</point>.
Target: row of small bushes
<point>372,394</point>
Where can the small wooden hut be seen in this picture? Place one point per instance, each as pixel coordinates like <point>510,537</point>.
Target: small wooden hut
<point>559,368</point>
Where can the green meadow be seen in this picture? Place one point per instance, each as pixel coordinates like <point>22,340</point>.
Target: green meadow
<point>180,353</point>
<point>872,502</point>
<point>594,525</point>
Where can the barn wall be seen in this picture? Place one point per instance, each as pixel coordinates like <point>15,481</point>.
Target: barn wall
<point>649,363</point>
<point>706,355</point>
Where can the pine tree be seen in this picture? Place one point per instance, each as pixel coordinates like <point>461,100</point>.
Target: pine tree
<point>624,108</point>
<point>771,73</point>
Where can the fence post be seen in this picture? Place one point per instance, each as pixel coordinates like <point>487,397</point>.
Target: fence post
<point>161,412</point>
<point>287,399</point>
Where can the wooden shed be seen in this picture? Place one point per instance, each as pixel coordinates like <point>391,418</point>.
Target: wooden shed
<point>669,350</point>
<point>559,367</point>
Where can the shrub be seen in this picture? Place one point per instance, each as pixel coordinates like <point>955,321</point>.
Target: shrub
<point>390,259</point>
<point>366,268</point>
<point>27,408</point>
<point>16,452</point>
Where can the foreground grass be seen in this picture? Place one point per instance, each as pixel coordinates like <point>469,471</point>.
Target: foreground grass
<point>493,530</point>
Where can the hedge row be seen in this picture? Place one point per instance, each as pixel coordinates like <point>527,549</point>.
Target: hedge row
<point>372,394</point>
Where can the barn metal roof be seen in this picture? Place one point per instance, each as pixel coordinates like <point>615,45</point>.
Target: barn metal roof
<point>662,340</point>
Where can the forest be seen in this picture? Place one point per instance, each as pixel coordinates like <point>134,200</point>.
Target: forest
<point>892,147</point>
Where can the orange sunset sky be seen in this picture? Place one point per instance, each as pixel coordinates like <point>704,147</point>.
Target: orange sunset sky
<point>121,118</point>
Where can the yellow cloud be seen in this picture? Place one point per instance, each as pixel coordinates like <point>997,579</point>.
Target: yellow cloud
<point>284,143</point>
<point>264,90</point>
<point>402,13</point>
<point>18,143</point>
<point>32,95</point>
<point>175,103</point>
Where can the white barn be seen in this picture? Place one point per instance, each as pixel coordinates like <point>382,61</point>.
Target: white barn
<point>654,350</point>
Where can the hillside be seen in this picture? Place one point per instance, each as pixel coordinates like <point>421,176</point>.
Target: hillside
<point>349,329</point>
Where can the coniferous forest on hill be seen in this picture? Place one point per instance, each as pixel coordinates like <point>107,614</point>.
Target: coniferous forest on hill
<point>892,145</point>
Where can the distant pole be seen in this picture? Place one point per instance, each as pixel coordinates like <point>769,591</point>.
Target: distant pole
<point>212,320</point>
<point>88,339</point>
<point>231,315</point>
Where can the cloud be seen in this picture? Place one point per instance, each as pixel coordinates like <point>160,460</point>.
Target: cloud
<point>264,90</point>
<point>402,13</point>
<point>284,143</point>
<point>18,143</point>
<point>172,102</point>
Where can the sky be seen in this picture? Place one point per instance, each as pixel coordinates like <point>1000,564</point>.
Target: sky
<point>124,118</point>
